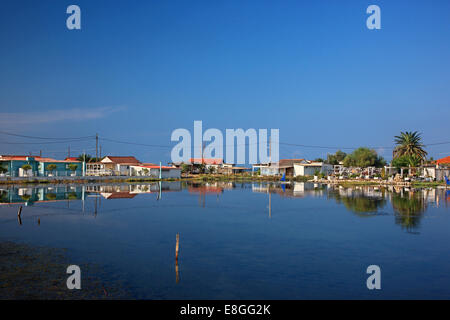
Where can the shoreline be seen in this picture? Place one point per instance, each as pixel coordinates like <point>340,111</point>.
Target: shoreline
<point>215,178</point>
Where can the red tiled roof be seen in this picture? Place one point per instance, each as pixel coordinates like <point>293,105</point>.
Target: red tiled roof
<point>122,159</point>
<point>149,164</point>
<point>162,167</point>
<point>118,195</point>
<point>443,160</point>
<point>206,161</point>
<point>71,159</point>
<point>37,158</point>
<point>290,162</point>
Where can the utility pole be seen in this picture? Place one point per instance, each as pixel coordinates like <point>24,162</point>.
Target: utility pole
<point>203,149</point>
<point>40,153</point>
<point>96,146</point>
<point>270,150</point>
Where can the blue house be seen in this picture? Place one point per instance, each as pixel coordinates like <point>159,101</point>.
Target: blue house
<point>35,166</point>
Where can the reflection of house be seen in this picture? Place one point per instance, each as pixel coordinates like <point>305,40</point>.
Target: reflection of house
<point>28,196</point>
<point>32,166</point>
<point>118,195</point>
<point>131,190</point>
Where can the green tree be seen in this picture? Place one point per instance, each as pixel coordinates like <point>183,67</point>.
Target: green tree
<point>409,144</point>
<point>211,170</point>
<point>185,168</point>
<point>406,161</point>
<point>88,158</point>
<point>84,157</point>
<point>3,169</point>
<point>336,158</point>
<point>364,157</point>
<point>73,167</point>
<point>26,167</point>
<point>51,167</point>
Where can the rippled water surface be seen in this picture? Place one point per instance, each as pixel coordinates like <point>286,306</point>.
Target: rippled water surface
<point>237,241</point>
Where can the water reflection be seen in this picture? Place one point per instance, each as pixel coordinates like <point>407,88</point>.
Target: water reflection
<point>364,202</point>
<point>407,205</point>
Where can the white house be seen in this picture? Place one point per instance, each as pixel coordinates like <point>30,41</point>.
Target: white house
<point>310,168</point>
<point>153,171</point>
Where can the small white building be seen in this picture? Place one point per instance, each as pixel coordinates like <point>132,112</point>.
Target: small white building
<point>310,168</point>
<point>153,171</point>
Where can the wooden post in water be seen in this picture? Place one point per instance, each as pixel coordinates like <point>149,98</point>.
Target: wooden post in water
<point>177,247</point>
<point>39,221</point>
<point>19,215</point>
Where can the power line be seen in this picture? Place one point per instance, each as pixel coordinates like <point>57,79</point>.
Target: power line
<point>43,138</point>
<point>85,138</point>
<point>134,143</point>
<point>46,142</point>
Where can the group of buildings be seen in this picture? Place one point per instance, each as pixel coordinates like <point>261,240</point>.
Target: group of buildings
<point>38,166</point>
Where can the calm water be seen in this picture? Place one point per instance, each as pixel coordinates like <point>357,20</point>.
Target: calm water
<point>241,241</point>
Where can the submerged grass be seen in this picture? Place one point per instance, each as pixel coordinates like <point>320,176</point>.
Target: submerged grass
<point>29,272</point>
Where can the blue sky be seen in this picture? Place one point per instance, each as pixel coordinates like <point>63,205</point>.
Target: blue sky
<point>138,70</point>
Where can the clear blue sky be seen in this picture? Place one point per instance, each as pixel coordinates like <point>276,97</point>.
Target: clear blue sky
<point>137,70</point>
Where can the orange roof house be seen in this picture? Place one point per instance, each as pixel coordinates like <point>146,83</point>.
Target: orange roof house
<point>208,161</point>
<point>445,160</point>
<point>120,160</point>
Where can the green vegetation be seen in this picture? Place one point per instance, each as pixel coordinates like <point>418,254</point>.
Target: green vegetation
<point>185,168</point>
<point>73,167</point>
<point>409,144</point>
<point>88,158</point>
<point>26,167</point>
<point>72,196</point>
<point>334,159</point>
<point>51,167</point>
<point>3,169</point>
<point>50,196</point>
<point>360,204</point>
<point>25,197</point>
<point>409,210</point>
<point>211,170</point>
<point>406,161</point>
<point>364,157</point>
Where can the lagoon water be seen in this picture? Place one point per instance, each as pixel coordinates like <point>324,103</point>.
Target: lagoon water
<point>237,240</point>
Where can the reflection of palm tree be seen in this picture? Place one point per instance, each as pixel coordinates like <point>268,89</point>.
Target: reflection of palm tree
<point>408,210</point>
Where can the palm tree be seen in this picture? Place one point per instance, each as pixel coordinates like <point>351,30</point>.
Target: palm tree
<point>409,144</point>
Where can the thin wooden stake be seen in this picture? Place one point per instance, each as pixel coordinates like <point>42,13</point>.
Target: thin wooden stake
<point>177,247</point>
<point>19,212</point>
